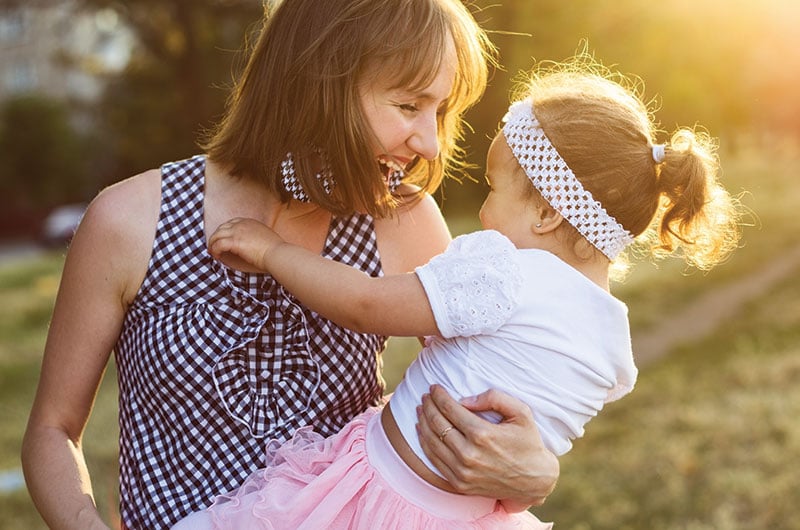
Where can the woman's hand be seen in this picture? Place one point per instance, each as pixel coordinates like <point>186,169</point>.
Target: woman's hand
<point>506,460</point>
<point>243,244</point>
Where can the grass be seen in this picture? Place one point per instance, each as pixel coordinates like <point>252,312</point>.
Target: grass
<point>708,440</point>
<point>27,291</point>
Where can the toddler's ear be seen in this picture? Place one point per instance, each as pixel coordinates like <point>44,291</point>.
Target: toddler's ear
<point>547,220</point>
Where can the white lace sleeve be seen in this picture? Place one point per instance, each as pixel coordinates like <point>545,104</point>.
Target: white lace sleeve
<point>472,287</point>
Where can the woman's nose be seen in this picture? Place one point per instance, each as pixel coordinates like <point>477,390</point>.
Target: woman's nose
<point>425,139</point>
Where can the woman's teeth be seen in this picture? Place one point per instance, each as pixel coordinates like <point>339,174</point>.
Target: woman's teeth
<point>391,164</point>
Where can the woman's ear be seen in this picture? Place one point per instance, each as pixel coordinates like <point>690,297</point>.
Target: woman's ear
<point>548,219</point>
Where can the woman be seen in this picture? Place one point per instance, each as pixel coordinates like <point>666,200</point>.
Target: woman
<point>346,116</point>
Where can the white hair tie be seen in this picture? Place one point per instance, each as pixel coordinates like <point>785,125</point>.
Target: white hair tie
<point>659,152</point>
<point>557,183</point>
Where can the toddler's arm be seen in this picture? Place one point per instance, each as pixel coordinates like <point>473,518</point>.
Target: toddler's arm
<point>389,305</point>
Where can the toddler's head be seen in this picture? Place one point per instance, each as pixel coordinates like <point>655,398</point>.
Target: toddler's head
<point>585,142</point>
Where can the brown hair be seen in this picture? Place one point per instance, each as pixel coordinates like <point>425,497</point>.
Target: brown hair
<point>299,93</point>
<point>603,129</point>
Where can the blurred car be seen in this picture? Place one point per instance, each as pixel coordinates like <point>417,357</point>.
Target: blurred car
<point>60,224</point>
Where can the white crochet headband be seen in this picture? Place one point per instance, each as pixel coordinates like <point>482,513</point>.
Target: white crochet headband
<point>557,183</point>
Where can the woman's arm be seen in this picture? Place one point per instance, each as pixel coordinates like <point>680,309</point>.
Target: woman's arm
<point>388,305</point>
<point>100,277</point>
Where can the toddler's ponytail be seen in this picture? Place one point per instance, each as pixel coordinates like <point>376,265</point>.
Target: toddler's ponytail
<point>667,196</point>
<point>697,217</point>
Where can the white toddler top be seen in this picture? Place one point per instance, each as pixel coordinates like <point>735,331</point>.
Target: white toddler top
<point>524,322</point>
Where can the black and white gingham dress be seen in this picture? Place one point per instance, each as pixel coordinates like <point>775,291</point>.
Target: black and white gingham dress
<point>213,362</point>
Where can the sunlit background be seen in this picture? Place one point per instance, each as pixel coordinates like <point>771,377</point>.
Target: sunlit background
<point>94,91</point>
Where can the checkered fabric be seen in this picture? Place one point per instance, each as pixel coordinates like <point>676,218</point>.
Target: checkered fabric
<point>292,184</point>
<point>214,362</point>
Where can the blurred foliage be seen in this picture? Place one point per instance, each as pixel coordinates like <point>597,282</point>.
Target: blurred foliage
<point>176,83</point>
<point>731,65</point>
<point>43,157</point>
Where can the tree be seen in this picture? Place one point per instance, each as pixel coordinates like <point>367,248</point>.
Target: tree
<point>176,83</point>
<point>43,157</point>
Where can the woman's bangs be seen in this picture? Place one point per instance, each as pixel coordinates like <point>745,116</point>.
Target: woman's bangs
<point>414,61</point>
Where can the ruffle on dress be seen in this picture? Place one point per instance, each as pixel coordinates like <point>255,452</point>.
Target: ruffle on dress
<point>313,482</point>
<point>268,375</point>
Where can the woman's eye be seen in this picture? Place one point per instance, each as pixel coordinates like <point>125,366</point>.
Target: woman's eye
<point>408,107</point>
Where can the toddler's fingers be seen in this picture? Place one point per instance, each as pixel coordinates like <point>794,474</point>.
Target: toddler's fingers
<point>218,244</point>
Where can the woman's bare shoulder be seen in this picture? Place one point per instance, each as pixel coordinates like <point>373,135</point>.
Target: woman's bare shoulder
<point>119,226</point>
<point>412,236</point>
<point>127,208</point>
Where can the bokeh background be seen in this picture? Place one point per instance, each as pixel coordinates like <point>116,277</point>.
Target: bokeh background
<point>94,91</point>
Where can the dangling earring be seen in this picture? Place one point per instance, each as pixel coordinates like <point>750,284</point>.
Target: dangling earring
<point>292,184</point>
<point>394,180</point>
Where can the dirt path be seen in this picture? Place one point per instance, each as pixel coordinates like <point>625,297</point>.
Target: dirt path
<point>702,316</point>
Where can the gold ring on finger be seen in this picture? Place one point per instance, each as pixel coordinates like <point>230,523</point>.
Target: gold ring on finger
<point>444,432</point>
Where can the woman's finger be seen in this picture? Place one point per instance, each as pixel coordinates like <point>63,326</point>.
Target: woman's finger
<point>446,445</point>
<point>427,438</point>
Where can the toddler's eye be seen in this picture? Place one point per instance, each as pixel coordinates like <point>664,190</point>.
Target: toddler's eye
<point>408,107</point>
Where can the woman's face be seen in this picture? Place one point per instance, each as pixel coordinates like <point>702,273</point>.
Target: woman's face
<point>405,121</point>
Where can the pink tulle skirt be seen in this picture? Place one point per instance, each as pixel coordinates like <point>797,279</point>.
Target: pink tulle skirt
<point>352,480</point>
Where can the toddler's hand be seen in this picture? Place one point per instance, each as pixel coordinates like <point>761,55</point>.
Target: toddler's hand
<point>243,244</point>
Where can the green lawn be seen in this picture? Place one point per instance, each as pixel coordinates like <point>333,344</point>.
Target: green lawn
<point>27,291</point>
<point>708,440</point>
